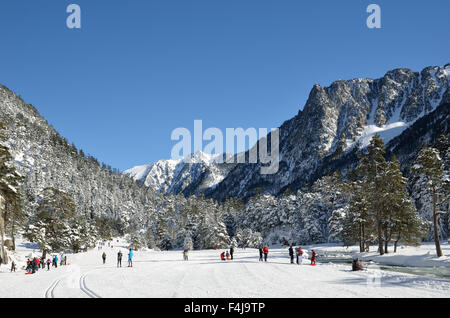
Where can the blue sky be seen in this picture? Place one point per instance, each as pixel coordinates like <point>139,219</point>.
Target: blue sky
<point>138,69</point>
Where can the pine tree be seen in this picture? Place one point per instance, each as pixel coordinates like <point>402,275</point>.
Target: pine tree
<point>428,163</point>
<point>54,216</point>
<point>135,241</point>
<point>188,244</point>
<point>11,210</point>
<point>356,222</point>
<point>374,165</point>
<point>401,218</point>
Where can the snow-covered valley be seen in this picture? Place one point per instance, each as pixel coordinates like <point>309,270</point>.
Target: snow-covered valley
<point>164,274</point>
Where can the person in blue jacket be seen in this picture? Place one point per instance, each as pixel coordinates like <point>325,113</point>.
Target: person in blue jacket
<point>55,261</point>
<point>130,258</point>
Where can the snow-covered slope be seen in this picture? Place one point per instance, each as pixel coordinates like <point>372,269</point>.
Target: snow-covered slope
<point>196,173</point>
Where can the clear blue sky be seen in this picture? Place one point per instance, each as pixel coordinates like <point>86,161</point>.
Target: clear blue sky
<point>140,68</point>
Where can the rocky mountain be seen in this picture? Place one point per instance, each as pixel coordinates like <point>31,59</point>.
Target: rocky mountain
<point>192,175</point>
<point>334,123</point>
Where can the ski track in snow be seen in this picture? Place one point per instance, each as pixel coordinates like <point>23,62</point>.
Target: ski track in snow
<point>85,289</point>
<point>49,293</point>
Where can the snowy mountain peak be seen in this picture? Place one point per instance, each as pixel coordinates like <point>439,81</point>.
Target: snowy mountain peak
<point>175,176</point>
<point>201,157</point>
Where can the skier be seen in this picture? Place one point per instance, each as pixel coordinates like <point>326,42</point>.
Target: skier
<point>48,264</point>
<point>13,266</point>
<point>119,259</point>
<point>227,255</point>
<point>222,256</point>
<point>185,255</point>
<point>231,252</point>
<point>266,251</point>
<point>55,261</point>
<point>291,254</point>
<point>299,256</point>
<point>313,258</point>
<point>42,262</point>
<point>104,257</point>
<point>130,258</point>
<point>65,259</point>
<point>260,254</point>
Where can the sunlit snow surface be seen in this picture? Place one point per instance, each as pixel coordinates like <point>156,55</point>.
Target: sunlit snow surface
<point>165,274</point>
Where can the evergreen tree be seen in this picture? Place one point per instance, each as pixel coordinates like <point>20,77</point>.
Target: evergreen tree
<point>402,220</point>
<point>374,165</point>
<point>54,216</point>
<point>188,244</point>
<point>428,163</point>
<point>10,199</point>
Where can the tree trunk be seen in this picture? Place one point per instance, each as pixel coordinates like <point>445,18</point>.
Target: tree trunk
<point>395,246</point>
<point>380,239</point>
<point>435,225</point>
<point>12,232</point>
<point>2,247</point>
<point>388,237</point>
<point>361,238</point>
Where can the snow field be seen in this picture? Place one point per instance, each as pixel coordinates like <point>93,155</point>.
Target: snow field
<point>164,274</point>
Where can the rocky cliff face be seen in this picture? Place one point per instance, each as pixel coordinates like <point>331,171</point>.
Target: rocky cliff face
<point>335,121</point>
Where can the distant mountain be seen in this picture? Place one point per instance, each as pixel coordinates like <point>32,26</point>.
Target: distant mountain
<point>335,122</point>
<point>193,175</point>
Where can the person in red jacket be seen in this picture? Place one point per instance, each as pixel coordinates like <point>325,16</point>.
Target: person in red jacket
<point>313,258</point>
<point>222,256</point>
<point>265,251</point>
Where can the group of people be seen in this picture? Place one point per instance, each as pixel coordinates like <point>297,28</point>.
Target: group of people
<point>299,253</point>
<point>119,258</point>
<point>36,263</point>
<point>263,252</point>
<point>103,244</point>
<point>227,256</point>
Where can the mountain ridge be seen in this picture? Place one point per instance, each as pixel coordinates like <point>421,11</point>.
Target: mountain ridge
<point>336,119</point>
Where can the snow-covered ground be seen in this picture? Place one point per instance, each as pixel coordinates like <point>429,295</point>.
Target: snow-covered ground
<point>165,274</point>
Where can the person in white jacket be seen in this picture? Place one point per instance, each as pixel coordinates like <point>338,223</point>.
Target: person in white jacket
<point>299,256</point>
